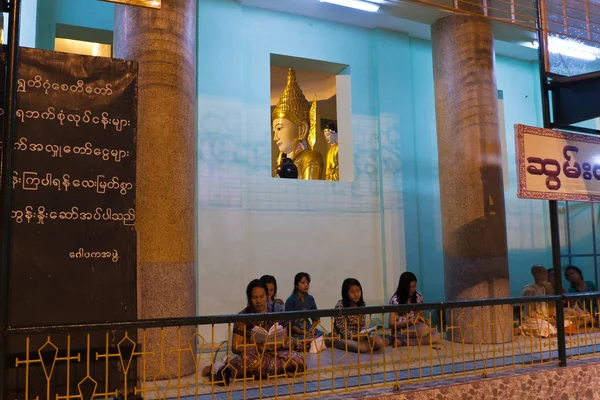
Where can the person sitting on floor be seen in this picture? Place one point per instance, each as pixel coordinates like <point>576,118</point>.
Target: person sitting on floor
<point>585,309</point>
<point>255,355</point>
<point>573,311</point>
<point>275,304</point>
<point>539,318</point>
<point>352,330</point>
<point>300,300</point>
<point>578,285</point>
<point>410,328</point>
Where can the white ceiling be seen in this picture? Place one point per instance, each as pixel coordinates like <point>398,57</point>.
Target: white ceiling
<point>416,20</point>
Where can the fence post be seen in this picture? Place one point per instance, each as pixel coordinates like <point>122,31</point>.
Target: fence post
<point>553,205</point>
<point>10,103</point>
<point>559,303</point>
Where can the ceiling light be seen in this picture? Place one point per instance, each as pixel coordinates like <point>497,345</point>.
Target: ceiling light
<point>358,4</point>
<point>569,48</point>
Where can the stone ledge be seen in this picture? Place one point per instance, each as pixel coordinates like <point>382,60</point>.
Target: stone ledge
<point>577,381</point>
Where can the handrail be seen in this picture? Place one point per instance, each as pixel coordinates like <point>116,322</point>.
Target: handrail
<point>470,337</point>
<point>281,316</point>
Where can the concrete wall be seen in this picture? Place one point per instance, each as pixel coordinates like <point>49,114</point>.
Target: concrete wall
<point>387,220</point>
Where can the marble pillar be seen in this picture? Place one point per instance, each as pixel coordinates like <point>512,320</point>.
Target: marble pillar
<point>470,174</point>
<point>163,42</point>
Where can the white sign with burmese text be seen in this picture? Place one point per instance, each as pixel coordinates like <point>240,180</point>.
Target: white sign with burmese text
<point>556,165</point>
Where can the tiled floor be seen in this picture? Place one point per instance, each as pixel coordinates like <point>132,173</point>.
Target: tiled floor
<point>405,365</point>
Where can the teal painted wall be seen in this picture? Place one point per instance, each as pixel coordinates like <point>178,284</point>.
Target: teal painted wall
<point>85,13</point>
<point>250,224</point>
<point>389,217</point>
<point>527,222</point>
<point>396,193</point>
<point>426,254</point>
<point>28,23</point>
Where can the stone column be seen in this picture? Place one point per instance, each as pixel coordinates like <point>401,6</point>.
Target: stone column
<point>470,173</point>
<point>163,42</point>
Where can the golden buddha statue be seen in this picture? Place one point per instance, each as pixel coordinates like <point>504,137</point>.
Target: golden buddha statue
<point>292,130</point>
<point>332,167</point>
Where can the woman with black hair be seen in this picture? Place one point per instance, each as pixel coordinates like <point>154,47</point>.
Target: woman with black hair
<point>275,304</point>
<point>300,300</point>
<point>410,328</point>
<point>352,329</point>
<point>586,308</point>
<point>578,285</point>
<point>253,357</point>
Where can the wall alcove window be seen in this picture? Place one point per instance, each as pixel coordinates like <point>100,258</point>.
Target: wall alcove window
<point>85,41</point>
<point>326,88</point>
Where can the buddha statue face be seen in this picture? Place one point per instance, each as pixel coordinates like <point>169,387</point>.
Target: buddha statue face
<point>288,136</point>
<point>291,118</point>
<point>331,136</point>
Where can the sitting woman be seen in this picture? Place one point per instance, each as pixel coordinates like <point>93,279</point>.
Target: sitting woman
<point>254,352</point>
<point>578,284</point>
<point>539,319</point>
<point>352,329</point>
<point>585,309</point>
<point>409,328</point>
<point>275,304</point>
<point>298,301</point>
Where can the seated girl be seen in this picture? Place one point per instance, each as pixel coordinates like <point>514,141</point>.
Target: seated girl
<point>410,328</point>
<point>252,357</point>
<point>275,304</point>
<point>578,285</point>
<point>539,319</point>
<point>349,328</point>
<point>305,328</point>
<point>583,311</point>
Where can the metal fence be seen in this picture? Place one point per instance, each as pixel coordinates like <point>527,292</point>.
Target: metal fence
<point>220,357</point>
<point>520,13</point>
<point>577,19</point>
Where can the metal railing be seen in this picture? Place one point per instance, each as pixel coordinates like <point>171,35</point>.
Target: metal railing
<point>521,13</point>
<point>202,357</point>
<point>584,339</point>
<point>576,19</point>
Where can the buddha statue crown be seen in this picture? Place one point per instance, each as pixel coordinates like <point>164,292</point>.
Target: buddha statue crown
<point>292,104</point>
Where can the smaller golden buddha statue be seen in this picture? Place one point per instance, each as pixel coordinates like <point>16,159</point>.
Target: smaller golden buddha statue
<point>292,133</point>
<point>332,167</point>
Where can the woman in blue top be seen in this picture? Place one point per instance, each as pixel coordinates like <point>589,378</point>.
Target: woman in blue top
<point>300,300</point>
<point>579,285</point>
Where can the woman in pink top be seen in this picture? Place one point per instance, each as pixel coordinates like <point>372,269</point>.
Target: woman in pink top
<point>410,328</point>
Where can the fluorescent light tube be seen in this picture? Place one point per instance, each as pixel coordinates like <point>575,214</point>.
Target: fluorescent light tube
<point>358,4</point>
<point>570,48</point>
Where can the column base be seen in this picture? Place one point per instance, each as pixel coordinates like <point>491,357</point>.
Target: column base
<point>167,290</point>
<point>480,278</point>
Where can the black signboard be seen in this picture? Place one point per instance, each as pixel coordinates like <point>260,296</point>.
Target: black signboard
<point>73,238</point>
<point>73,242</point>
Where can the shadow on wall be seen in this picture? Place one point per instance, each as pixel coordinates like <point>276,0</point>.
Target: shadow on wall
<point>483,266</point>
<point>520,263</point>
<point>485,251</point>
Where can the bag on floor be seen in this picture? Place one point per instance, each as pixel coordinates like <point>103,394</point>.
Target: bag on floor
<point>317,345</point>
